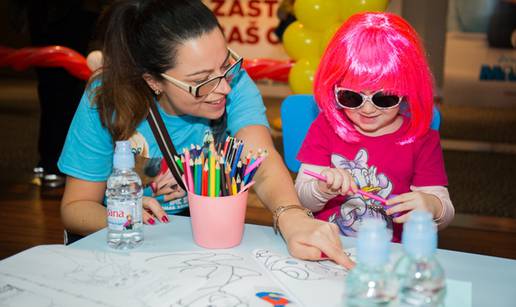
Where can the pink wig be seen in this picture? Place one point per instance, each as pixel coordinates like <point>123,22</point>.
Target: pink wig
<point>373,51</point>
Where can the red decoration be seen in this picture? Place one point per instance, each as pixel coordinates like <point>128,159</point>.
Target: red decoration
<point>75,63</point>
<point>51,56</point>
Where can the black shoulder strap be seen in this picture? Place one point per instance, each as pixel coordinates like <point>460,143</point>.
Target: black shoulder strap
<point>165,143</point>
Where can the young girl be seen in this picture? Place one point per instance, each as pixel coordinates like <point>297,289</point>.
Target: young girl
<point>374,90</point>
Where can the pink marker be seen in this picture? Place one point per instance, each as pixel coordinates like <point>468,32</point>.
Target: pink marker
<point>247,186</point>
<point>364,193</point>
<point>251,167</point>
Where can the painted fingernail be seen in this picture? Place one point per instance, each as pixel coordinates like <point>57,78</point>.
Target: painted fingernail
<point>154,187</point>
<point>323,256</point>
<point>151,221</point>
<point>164,219</point>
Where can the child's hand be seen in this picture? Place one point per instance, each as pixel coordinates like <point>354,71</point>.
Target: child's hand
<point>408,202</point>
<point>338,181</point>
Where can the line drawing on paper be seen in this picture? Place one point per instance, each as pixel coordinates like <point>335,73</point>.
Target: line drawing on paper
<point>220,270</point>
<point>103,270</point>
<point>14,296</point>
<point>75,277</point>
<point>90,300</point>
<point>299,269</point>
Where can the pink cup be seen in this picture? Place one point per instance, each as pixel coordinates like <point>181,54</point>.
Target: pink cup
<point>218,222</point>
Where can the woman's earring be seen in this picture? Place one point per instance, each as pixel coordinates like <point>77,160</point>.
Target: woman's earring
<point>157,92</point>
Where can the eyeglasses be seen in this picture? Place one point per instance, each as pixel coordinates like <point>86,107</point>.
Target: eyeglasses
<point>205,88</point>
<point>348,99</point>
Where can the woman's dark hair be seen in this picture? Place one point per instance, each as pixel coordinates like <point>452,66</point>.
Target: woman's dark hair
<point>142,36</point>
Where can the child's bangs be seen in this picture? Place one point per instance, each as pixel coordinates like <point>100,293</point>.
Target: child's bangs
<point>391,78</point>
<point>377,66</point>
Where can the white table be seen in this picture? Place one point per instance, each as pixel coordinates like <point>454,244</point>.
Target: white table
<point>493,279</point>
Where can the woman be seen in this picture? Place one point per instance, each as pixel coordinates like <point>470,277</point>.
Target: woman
<point>173,54</point>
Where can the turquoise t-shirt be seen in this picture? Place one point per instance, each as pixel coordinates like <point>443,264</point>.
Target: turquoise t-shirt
<point>88,150</point>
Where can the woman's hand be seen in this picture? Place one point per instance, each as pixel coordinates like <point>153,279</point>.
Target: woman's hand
<point>152,210</point>
<point>310,239</point>
<point>338,181</point>
<point>167,188</point>
<point>408,202</point>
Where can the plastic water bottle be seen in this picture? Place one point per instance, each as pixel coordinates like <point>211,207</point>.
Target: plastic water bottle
<point>124,201</point>
<point>371,283</point>
<point>421,277</point>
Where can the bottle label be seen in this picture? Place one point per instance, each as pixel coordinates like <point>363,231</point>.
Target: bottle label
<point>123,215</point>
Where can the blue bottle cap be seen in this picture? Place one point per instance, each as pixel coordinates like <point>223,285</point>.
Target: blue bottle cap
<point>373,242</point>
<point>420,235</point>
<point>123,157</point>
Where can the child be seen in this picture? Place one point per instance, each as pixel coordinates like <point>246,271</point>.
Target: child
<point>374,89</point>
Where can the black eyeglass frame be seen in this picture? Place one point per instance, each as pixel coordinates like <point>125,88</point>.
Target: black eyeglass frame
<point>194,89</point>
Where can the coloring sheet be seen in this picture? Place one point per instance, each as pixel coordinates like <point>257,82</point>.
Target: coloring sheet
<point>60,276</point>
<point>229,279</point>
<point>91,278</point>
<point>56,275</point>
<point>324,278</point>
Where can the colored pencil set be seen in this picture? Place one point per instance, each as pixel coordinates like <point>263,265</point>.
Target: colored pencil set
<point>219,170</point>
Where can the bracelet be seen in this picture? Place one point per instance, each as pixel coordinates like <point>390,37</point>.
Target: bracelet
<point>278,211</point>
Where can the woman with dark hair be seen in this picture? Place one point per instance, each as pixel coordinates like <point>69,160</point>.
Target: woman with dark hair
<point>171,56</point>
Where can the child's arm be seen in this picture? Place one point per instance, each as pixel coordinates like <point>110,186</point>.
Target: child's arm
<point>434,199</point>
<point>314,193</point>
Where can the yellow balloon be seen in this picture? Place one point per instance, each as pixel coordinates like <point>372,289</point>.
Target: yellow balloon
<point>327,36</point>
<point>317,14</point>
<point>301,76</point>
<point>300,42</point>
<point>350,7</point>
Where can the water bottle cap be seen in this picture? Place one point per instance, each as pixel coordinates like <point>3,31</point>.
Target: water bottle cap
<point>123,157</point>
<point>420,235</point>
<point>373,242</point>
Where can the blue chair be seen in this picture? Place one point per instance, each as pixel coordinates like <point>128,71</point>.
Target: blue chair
<point>297,114</point>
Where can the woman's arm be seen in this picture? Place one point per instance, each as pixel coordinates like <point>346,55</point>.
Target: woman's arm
<point>306,238</point>
<point>82,211</point>
<point>81,207</point>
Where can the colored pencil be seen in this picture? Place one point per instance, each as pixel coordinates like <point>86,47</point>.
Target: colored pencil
<point>223,187</point>
<point>228,179</point>
<point>211,174</point>
<point>363,193</point>
<point>198,176</point>
<point>236,158</point>
<point>246,187</point>
<point>217,179</point>
<point>233,187</point>
<point>178,162</point>
<point>188,170</point>
<point>254,165</point>
<point>204,190</point>
<point>226,143</point>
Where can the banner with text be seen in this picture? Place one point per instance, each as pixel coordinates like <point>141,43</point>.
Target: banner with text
<point>249,29</point>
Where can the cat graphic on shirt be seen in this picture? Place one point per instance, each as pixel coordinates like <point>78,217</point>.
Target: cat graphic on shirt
<point>357,207</point>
